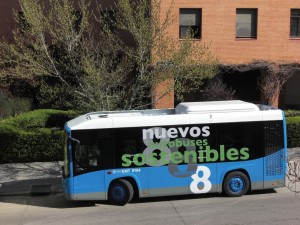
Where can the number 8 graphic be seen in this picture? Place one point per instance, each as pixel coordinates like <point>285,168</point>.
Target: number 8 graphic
<point>161,145</point>
<point>204,179</point>
<point>192,166</point>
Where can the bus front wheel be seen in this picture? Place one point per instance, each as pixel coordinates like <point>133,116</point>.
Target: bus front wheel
<point>236,184</point>
<point>120,192</point>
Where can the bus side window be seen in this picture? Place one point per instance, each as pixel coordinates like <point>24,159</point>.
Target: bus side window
<point>242,135</point>
<point>129,143</point>
<point>129,146</point>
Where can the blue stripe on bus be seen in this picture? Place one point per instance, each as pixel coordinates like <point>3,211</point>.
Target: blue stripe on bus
<point>160,177</point>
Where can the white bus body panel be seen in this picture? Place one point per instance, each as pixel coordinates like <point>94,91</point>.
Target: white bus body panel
<point>184,113</point>
<point>215,107</point>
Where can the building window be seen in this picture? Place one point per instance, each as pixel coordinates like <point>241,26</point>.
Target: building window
<point>190,23</point>
<point>295,23</point>
<point>246,23</point>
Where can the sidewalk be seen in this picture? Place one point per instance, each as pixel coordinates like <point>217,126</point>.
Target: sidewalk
<point>45,177</point>
<point>30,178</point>
<point>293,173</point>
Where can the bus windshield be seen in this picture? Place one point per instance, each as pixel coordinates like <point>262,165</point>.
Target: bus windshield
<point>87,158</point>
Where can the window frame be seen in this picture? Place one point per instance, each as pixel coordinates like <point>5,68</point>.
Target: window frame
<point>298,23</point>
<point>254,23</point>
<point>199,26</point>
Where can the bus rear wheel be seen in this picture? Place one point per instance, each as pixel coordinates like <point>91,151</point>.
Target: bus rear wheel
<point>236,184</point>
<point>120,192</point>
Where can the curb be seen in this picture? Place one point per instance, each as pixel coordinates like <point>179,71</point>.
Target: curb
<point>31,187</point>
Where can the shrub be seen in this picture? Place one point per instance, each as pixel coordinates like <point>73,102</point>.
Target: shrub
<point>37,145</point>
<point>293,131</point>
<point>291,113</point>
<point>29,137</point>
<point>216,90</point>
<point>12,106</point>
<point>40,118</point>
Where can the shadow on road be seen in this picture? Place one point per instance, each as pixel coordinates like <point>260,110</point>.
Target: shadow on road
<point>261,192</point>
<point>58,200</point>
<point>49,201</point>
<point>200,196</point>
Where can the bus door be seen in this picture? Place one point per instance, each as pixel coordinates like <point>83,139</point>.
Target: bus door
<point>91,157</point>
<point>129,158</point>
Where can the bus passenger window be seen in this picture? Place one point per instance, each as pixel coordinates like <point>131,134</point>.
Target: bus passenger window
<point>129,146</point>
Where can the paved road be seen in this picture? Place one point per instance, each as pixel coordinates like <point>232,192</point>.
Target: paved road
<point>275,207</point>
<point>280,207</point>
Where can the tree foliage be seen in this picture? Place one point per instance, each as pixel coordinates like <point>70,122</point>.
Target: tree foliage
<point>105,59</point>
<point>217,90</point>
<point>160,57</point>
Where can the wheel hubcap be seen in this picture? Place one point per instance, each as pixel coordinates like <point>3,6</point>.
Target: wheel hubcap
<point>236,184</point>
<point>118,192</point>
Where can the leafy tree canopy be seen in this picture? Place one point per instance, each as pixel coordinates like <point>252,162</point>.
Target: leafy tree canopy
<point>101,59</point>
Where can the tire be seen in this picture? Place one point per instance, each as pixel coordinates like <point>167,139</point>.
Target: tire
<point>236,184</point>
<point>120,192</point>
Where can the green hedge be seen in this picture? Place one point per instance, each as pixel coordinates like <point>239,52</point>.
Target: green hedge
<point>293,131</point>
<point>41,118</point>
<point>29,137</point>
<point>292,113</point>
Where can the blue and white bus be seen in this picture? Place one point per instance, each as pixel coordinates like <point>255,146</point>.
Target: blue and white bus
<point>198,147</point>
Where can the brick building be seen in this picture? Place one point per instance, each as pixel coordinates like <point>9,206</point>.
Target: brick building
<point>238,31</point>
<point>241,31</point>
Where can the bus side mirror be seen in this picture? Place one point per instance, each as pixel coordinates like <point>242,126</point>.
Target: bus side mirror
<point>63,171</point>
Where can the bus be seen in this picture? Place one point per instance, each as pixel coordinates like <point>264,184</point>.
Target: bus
<point>199,147</point>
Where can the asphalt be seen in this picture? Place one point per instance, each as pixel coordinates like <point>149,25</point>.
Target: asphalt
<point>45,177</point>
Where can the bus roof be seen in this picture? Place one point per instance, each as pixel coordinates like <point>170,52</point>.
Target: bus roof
<point>184,113</point>
<point>215,107</point>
